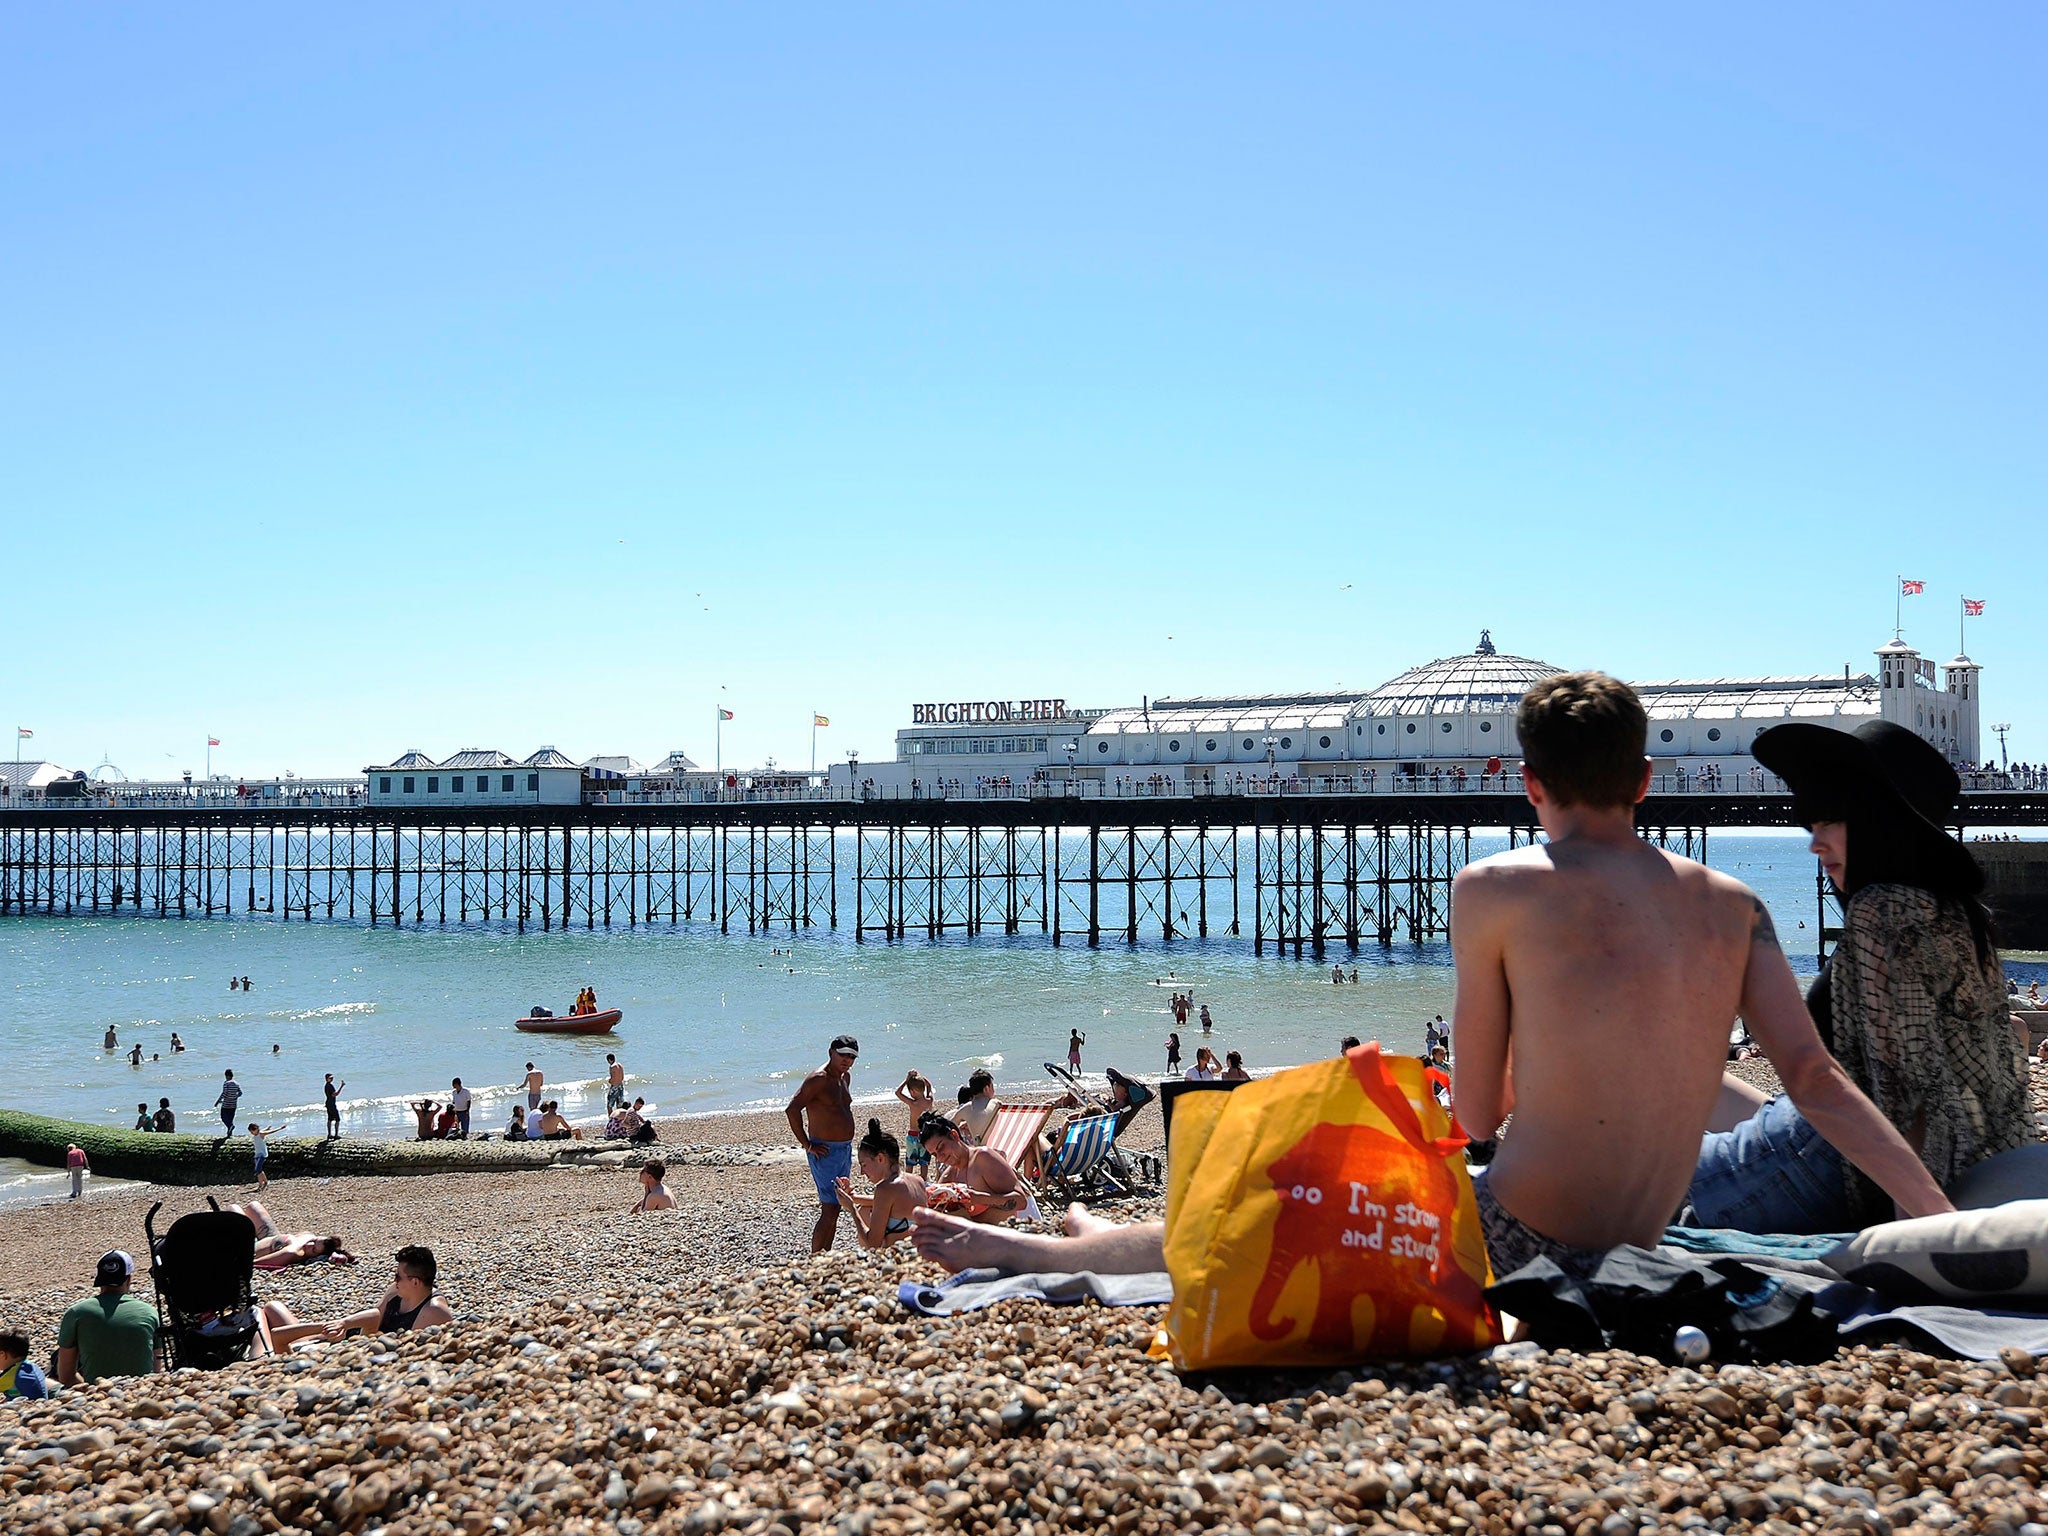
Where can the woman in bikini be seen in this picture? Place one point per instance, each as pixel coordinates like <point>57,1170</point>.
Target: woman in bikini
<point>883,1217</point>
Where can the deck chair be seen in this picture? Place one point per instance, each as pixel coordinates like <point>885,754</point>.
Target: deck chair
<point>1014,1132</point>
<point>1081,1164</point>
<point>1136,1096</point>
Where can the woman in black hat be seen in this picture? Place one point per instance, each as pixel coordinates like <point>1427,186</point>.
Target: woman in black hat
<point>1911,1003</point>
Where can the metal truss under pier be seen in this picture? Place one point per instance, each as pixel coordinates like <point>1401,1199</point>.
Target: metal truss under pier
<point>1314,870</point>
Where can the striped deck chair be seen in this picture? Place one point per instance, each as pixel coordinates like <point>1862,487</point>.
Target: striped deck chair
<point>1014,1132</point>
<point>1081,1164</point>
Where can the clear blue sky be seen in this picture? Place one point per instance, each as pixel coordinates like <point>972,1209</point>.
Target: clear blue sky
<point>416,376</point>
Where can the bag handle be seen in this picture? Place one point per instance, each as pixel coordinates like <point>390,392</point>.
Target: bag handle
<point>1369,1067</point>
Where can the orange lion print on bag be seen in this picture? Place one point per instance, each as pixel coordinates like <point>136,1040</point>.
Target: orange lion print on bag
<point>1323,1215</point>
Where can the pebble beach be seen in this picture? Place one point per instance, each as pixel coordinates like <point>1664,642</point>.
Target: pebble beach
<point>698,1371</point>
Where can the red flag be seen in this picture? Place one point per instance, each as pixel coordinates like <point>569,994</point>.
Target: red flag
<point>1911,588</point>
<point>1974,607</point>
<point>213,741</point>
<point>725,714</point>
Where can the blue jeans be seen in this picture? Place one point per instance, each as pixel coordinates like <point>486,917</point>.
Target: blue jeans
<point>1772,1173</point>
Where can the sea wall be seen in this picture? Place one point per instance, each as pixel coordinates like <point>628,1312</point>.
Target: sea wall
<point>198,1159</point>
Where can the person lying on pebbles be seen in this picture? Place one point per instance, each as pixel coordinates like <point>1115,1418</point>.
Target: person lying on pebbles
<point>279,1250</point>
<point>410,1303</point>
<point>883,1217</point>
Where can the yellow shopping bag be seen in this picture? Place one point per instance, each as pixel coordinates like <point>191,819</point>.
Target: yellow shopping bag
<point>1320,1216</point>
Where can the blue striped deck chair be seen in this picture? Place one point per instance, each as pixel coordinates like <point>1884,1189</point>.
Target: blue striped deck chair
<point>1080,1164</point>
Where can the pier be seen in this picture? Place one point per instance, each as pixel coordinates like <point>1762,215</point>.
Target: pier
<point>1315,867</point>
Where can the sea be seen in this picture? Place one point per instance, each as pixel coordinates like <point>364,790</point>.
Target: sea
<point>713,1022</point>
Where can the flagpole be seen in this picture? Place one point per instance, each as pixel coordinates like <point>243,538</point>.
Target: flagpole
<point>814,741</point>
<point>1899,608</point>
<point>718,744</point>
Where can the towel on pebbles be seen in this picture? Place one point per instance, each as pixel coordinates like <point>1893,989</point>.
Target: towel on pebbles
<point>973,1289</point>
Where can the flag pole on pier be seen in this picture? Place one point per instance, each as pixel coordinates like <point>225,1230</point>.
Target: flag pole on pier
<point>1973,608</point>
<point>1908,587</point>
<point>718,740</point>
<point>212,741</point>
<point>20,731</point>
<point>816,721</point>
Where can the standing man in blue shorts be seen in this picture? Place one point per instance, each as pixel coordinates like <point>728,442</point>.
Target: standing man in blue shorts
<point>826,1098</point>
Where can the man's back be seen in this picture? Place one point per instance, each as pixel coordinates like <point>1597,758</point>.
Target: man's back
<point>1616,968</point>
<point>114,1334</point>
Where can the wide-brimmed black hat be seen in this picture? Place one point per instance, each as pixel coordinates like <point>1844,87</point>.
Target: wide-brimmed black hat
<point>1887,776</point>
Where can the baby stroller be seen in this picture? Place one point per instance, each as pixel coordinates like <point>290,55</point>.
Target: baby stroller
<point>204,1271</point>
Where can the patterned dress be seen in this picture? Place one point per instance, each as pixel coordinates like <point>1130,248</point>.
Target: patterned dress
<point>1921,1026</point>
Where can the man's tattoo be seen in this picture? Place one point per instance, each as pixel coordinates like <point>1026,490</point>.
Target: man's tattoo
<point>1761,929</point>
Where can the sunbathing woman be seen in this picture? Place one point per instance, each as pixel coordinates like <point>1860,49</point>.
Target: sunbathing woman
<point>987,1188</point>
<point>883,1217</point>
<point>281,1250</point>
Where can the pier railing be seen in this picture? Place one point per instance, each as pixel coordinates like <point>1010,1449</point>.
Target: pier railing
<point>304,795</point>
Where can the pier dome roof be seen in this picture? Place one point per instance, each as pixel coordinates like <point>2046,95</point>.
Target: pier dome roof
<point>1482,680</point>
<point>414,759</point>
<point>481,757</point>
<point>548,757</point>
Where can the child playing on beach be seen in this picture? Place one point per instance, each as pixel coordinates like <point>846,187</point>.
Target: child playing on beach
<point>914,1093</point>
<point>261,1136</point>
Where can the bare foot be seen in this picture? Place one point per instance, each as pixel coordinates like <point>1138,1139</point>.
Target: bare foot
<point>959,1244</point>
<point>1081,1221</point>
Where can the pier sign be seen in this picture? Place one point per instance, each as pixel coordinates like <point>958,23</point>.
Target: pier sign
<point>983,712</point>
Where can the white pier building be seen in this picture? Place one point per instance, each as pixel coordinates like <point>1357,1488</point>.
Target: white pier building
<point>1457,712</point>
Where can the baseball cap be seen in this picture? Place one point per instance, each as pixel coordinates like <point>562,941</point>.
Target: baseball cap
<point>115,1266</point>
<point>845,1045</point>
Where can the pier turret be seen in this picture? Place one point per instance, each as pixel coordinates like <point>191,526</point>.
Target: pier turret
<point>1963,677</point>
<point>1898,667</point>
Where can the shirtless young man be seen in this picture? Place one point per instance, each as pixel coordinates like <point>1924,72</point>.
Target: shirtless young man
<point>826,1097</point>
<point>1597,978</point>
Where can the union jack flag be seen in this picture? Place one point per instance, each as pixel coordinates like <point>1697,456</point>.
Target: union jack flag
<point>1974,607</point>
<point>1911,588</point>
